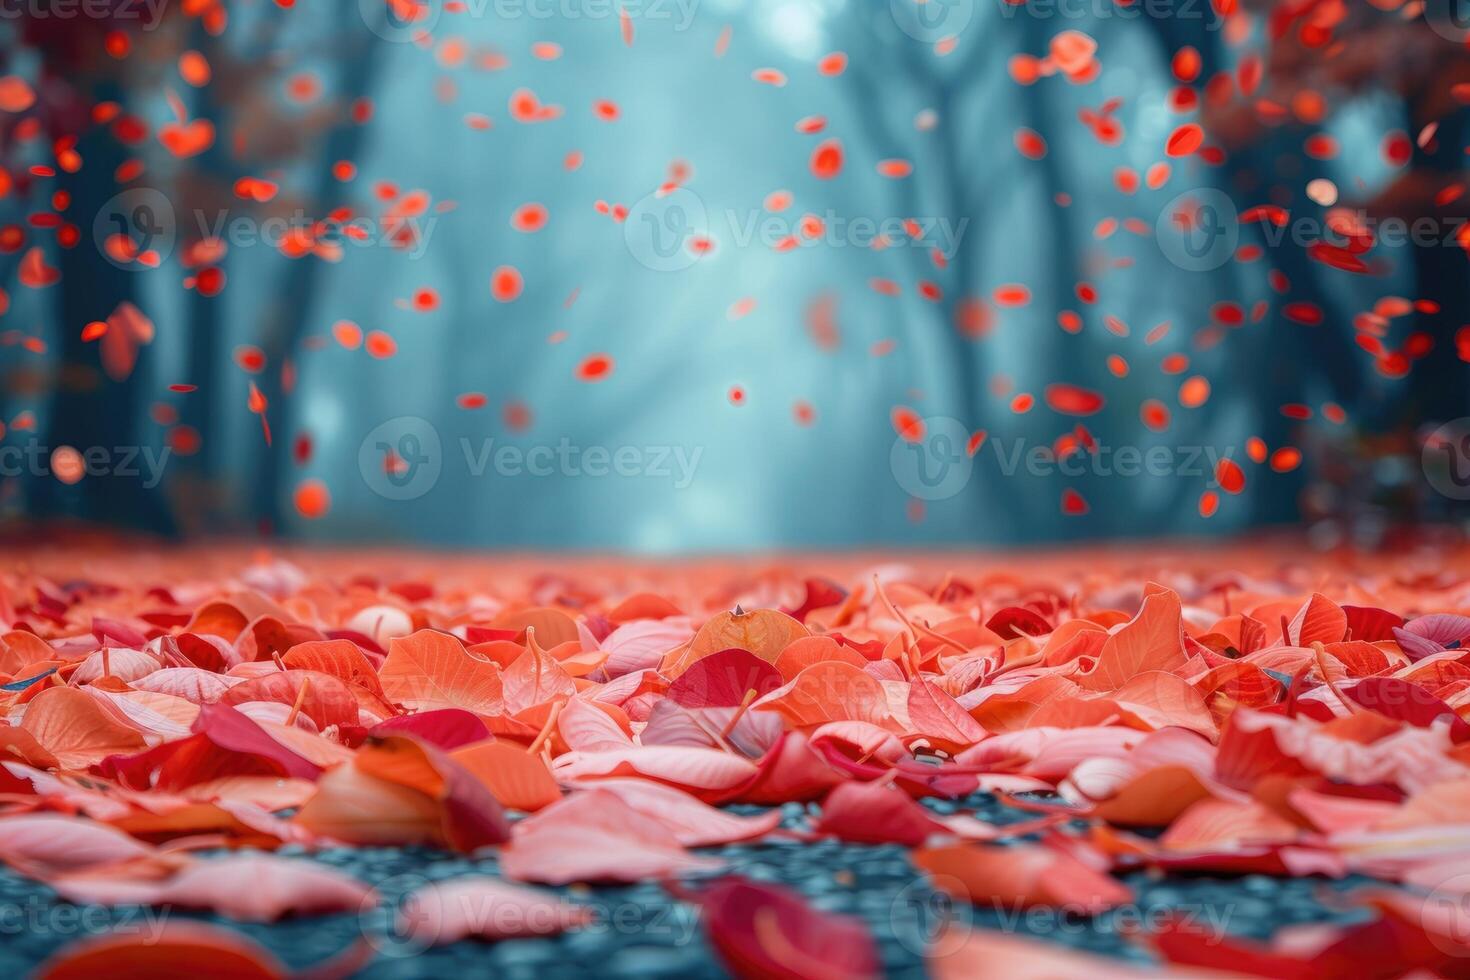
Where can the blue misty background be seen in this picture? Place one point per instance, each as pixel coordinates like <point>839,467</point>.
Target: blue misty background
<point>761,479</point>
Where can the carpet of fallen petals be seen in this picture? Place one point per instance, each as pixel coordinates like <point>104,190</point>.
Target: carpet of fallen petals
<point>1251,711</point>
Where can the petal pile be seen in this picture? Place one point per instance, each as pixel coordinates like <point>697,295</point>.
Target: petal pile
<point>597,726</point>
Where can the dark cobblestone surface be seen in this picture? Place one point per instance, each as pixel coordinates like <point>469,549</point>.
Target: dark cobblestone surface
<point>639,931</point>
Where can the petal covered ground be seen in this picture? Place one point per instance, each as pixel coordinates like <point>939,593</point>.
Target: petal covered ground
<point>185,730</point>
